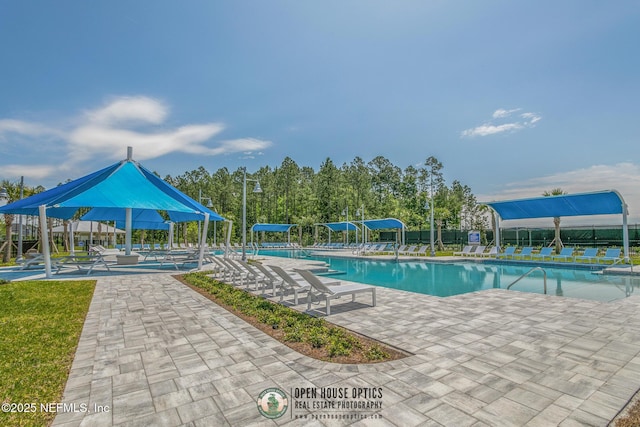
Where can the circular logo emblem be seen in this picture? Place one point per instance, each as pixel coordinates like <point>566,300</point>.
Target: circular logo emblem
<point>273,403</point>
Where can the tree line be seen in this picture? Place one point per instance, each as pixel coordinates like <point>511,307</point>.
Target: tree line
<point>294,194</point>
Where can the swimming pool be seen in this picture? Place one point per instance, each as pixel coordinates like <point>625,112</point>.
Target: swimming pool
<point>448,279</point>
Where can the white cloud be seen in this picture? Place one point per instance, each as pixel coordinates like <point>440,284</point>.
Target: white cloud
<point>20,127</point>
<point>524,120</point>
<point>488,129</point>
<point>29,172</point>
<point>126,110</point>
<point>622,177</point>
<point>501,113</point>
<point>135,121</point>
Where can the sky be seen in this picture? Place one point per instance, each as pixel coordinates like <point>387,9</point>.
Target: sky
<point>514,98</point>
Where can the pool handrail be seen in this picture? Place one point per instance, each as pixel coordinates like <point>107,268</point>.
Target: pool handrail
<point>529,272</point>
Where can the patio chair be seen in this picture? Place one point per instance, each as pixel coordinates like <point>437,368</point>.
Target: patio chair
<point>269,278</point>
<point>527,251</point>
<point>508,252</point>
<point>612,254</point>
<point>565,254</point>
<point>546,252</point>
<point>289,283</point>
<point>479,251</point>
<point>409,251</point>
<point>332,292</point>
<point>493,252</point>
<point>465,251</point>
<point>588,255</point>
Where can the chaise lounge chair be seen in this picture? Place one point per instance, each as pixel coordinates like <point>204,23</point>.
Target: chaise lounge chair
<point>331,292</point>
<point>546,252</point>
<point>290,283</point>
<point>588,255</point>
<point>565,254</point>
<point>527,251</point>
<point>612,254</point>
<point>465,251</point>
<point>508,252</point>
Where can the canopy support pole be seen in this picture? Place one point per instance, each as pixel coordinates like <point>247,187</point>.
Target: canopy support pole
<point>127,229</point>
<point>44,235</point>
<point>625,233</point>
<point>203,240</point>
<point>497,236</point>
<point>170,237</point>
<point>72,240</point>
<point>228,239</point>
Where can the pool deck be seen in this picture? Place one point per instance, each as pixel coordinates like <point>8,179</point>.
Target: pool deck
<point>154,352</point>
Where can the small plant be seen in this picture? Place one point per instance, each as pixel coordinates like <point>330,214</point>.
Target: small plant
<point>317,337</point>
<point>294,334</point>
<point>339,346</point>
<point>296,327</point>
<point>375,352</point>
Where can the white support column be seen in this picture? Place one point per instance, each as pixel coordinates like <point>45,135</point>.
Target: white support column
<point>44,236</point>
<point>72,240</point>
<point>127,229</point>
<point>497,236</point>
<point>625,233</point>
<point>203,240</point>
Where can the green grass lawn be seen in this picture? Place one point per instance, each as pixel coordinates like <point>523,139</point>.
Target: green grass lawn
<point>40,325</point>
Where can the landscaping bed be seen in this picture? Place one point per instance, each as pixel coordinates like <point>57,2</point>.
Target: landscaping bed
<point>311,336</point>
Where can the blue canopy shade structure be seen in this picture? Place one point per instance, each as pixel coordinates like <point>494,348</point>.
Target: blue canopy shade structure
<point>380,224</point>
<point>340,226</point>
<point>276,228</point>
<point>142,219</point>
<point>385,223</point>
<point>272,227</point>
<point>600,203</point>
<point>124,185</point>
<point>608,202</point>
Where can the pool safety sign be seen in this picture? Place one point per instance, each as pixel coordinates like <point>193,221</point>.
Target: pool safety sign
<point>474,237</point>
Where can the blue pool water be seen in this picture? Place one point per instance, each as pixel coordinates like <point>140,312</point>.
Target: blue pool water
<point>447,279</point>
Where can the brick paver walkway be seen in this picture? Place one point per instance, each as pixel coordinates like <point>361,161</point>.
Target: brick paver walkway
<point>154,352</point>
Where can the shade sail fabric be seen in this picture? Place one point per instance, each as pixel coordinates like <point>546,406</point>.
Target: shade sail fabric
<point>380,224</point>
<point>340,226</point>
<point>598,203</point>
<point>142,219</point>
<point>124,184</point>
<point>272,227</point>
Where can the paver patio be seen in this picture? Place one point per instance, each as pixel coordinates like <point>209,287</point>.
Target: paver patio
<point>154,352</point>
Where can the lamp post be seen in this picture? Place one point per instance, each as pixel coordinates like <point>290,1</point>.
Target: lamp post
<point>256,189</point>
<point>431,239</point>
<point>360,213</point>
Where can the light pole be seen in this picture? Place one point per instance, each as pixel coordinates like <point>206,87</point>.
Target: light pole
<point>433,250</point>
<point>360,213</point>
<point>256,189</point>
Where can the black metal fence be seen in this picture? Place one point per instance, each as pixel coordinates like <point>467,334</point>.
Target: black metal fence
<point>577,236</point>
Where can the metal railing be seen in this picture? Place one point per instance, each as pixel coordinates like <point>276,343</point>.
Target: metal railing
<point>529,272</point>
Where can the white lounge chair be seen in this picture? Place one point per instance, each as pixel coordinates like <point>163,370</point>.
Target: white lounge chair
<point>465,251</point>
<point>332,292</point>
<point>289,283</point>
